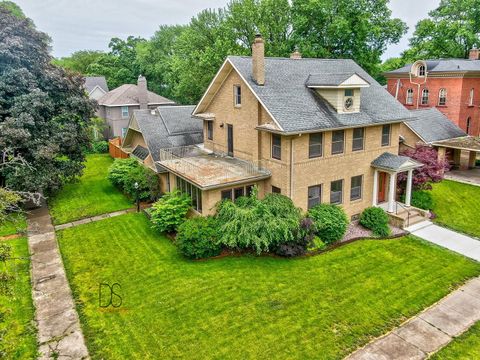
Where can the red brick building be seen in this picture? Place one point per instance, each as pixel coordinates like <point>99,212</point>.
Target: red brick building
<point>450,85</point>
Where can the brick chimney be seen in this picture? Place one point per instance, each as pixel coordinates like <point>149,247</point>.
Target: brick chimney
<point>142,92</point>
<point>296,55</point>
<point>258,60</point>
<point>474,54</point>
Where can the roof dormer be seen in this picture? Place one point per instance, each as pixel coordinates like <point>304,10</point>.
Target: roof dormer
<point>342,90</point>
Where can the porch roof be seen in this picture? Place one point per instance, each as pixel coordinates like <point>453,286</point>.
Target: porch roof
<point>395,163</point>
<point>209,170</point>
<point>468,143</point>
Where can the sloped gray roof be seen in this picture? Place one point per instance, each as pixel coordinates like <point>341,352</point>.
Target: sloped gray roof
<point>92,81</point>
<point>327,79</point>
<point>154,128</point>
<point>391,161</point>
<point>443,65</point>
<point>127,94</point>
<point>431,125</point>
<point>299,109</point>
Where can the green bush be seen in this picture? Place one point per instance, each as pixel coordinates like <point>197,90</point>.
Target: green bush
<point>375,219</point>
<point>422,199</point>
<point>197,238</point>
<point>170,211</point>
<point>261,225</point>
<point>124,173</point>
<point>331,222</point>
<point>100,147</point>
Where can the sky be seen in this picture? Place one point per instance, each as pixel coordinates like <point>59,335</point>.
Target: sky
<point>90,24</point>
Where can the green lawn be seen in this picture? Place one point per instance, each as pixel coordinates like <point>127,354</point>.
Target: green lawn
<point>17,330</point>
<point>466,346</point>
<point>247,307</point>
<point>457,206</point>
<point>92,195</point>
<point>17,224</point>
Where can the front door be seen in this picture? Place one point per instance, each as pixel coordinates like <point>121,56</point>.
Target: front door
<point>382,186</point>
<point>230,139</point>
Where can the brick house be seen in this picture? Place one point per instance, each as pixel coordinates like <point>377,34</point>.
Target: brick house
<point>117,105</point>
<point>315,130</point>
<point>450,85</point>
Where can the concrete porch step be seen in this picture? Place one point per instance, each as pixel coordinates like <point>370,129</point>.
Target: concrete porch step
<point>418,226</point>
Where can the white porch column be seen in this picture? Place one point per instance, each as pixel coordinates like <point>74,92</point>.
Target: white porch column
<point>391,192</point>
<point>375,188</point>
<point>408,195</point>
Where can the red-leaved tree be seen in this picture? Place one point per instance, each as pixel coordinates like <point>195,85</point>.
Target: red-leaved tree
<point>432,170</point>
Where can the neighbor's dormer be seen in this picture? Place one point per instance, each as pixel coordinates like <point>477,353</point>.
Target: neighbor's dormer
<point>342,90</point>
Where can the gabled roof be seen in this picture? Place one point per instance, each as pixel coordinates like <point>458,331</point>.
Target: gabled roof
<point>443,65</point>
<point>156,128</point>
<point>343,80</point>
<point>127,94</point>
<point>295,108</point>
<point>432,125</point>
<point>91,82</point>
<point>391,162</point>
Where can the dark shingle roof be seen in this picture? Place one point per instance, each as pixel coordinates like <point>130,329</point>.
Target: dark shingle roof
<point>92,81</point>
<point>391,161</point>
<point>443,65</point>
<point>140,152</point>
<point>154,128</point>
<point>299,109</point>
<point>127,94</point>
<point>431,125</point>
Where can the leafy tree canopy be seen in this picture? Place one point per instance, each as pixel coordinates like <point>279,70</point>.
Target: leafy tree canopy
<point>79,61</point>
<point>13,8</point>
<point>44,110</point>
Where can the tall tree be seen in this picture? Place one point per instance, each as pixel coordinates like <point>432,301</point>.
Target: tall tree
<point>79,61</point>
<point>451,31</point>
<point>356,29</point>
<point>44,111</point>
<point>13,8</point>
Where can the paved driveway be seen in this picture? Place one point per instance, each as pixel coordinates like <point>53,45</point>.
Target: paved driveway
<point>449,239</point>
<point>471,176</point>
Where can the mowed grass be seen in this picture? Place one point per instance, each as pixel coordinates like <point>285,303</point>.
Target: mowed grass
<point>17,329</point>
<point>15,225</point>
<point>91,195</point>
<point>466,346</point>
<point>457,206</point>
<point>320,307</point>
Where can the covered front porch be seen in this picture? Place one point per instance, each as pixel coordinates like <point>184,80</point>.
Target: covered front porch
<point>387,167</point>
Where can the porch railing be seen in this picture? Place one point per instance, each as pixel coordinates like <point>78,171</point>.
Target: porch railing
<point>403,206</point>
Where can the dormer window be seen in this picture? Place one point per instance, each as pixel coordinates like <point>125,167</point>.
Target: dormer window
<point>421,70</point>
<point>237,95</point>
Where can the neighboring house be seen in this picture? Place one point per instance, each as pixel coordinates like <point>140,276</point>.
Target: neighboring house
<point>118,105</point>
<point>316,130</point>
<point>431,127</point>
<point>451,85</point>
<point>151,130</point>
<point>96,86</point>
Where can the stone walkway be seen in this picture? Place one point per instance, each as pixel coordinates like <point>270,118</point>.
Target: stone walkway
<point>430,330</point>
<point>59,332</point>
<point>94,218</point>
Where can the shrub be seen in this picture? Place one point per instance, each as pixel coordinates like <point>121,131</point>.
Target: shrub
<point>170,211</point>
<point>330,220</point>
<point>305,237</point>
<point>422,199</point>
<point>124,173</point>
<point>197,238</point>
<point>100,147</point>
<point>375,219</point>
<point>261,225</point>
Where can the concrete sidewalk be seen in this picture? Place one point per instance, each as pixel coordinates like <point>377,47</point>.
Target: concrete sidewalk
<point>94,218</point>
<point>59,332</point>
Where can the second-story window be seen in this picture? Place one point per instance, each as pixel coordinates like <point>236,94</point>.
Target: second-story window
<point>315,145</point>
<point>409,99</point>
<point>237,95</point>
<point>338,141</point>
<point>386,135</point>
<point>425,97</point>
<point>442,97</point>
<point>124,111</point>
<point>210,130</point>
<point>358,135</point>
<point>276,146</point>
<point>471,97</point>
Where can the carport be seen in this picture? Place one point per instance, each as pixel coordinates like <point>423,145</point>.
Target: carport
<point>461,152</point>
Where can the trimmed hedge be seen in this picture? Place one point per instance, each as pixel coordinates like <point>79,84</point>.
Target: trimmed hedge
<point>375,219</point>
<point>331,222</point>
<point>197,238</point>
<point>170,211</point>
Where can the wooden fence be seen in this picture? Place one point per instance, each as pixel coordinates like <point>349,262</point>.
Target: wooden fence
<point>115,149</point>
